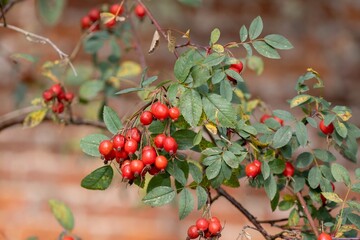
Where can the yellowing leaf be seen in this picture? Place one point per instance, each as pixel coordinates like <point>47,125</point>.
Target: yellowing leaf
<point>187,34</point>
<point>313,71</point>
<point>114,81</point>
<point>332,197</point>
<point>35,118</point>
<point>345,116</point>
<point>211,127</point>
<point>50,75</point>
<point>107,17</point>
<point>37,101</point>
<point>218,48</point>
<point>171,41</point>
<point>128,69</point>
<point>239,94</point>
<point>154,42</point>
<point>251,105</point>
<point>300,99</point>
<point>343,229</point>
<point>256,142</point>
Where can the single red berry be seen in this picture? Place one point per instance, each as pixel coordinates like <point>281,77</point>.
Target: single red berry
<point>329,129</point>
<point>69,96</point>
<point>214,219</point>
<point>324,236</point>
<point>170,145</point>
<point>146,148</point>
<point>154,170</point>
<point>126,172</point>
<point>67,238</point>
<point>193,232</point>
<point>264,118</point>
<point>48,95</point>
<point>140,11</point>
<point>134,134</point>
<point>118,141</point>
<point>116,9</point>
<point>214,227</point>
<point>289,170</point>
<point>56,89</point>
<point>85,22</point>
<point>252,170</point>
<point>146,118</point>
<point>161,162</point>
<point>94,14</point>
<point>131,146</point>
<point>121,155</point>
<point>58,107</point>
<point>124,163</point>
<point>61,96</point>
<point>136,166</point>
<point>105,147</point>
<point>161,111</point>
<point>174,113</point>
<point>110,156</point>
<point>279,120</point>
<point>202,224</point>
<point>148,156</point>
<point>159,140</point>
<point>258,164</point>
<point>153,106</point>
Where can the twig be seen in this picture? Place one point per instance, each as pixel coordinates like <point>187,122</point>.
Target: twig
<point>273,221</point>
<point>307,213</point>
<point>3,14</point>
<point>244,211</point>
<point>8,6</point>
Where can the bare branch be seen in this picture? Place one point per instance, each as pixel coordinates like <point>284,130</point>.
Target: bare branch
<point>307,213</point>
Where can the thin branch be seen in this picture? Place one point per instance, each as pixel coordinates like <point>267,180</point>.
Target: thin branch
<point>307,213</point>
<point>244,211</point>
<point>8,6</point>
<point>273,221</point>
<point>3,14</point>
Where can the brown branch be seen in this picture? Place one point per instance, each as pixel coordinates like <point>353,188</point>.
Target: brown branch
<point>273,221</point>
<point>244,211</point>
<point>307,213</point>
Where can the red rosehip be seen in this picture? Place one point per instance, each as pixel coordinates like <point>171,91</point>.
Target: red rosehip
<point>56,89</point>
<point>110,23</point>
<point>126,172</point>
<point>118,141</point>
<point>85,22</point>
<point>121,155</point>
<point>289,170</point>
<point>159,140</point>
<point>110,156</point>
<point>264,118</point>
<point>154,170</point>
<point>136,166</point>
<point>324,236</point>
<point>105,147</point>
<point>116,9</point>
<point>67,238</point>
<point>258,164</point>
<point>161,162</point>
<point>131,146</point>
<point>252,170</point>
<point>214,227</point>
<point>134,134</point>
<point>214,219</point>
<point>69,96</point>
<point>174,113</point>
<point>237,67</point>
<point>146,118</point>
<point>140,11</point>
<point>170,145</point>
<point>148,156</point>
<point>202,224</point>
<point>329,129</point>
<point>94,14</point>
<point>161,111</point>
<point>58,107</point>
<point>48,95</point>
<point>193,232</point>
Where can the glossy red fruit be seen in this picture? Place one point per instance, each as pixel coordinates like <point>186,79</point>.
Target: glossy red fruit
<point>69,96</point>
<point>264,118</point>
<point>289,170</point>
<point>193,232</point>
<point>85,22</point>
<point>58,107</point>
<point>56,89</point>
<point>161,162</point>
<point>140,11</point>
<point>105,147</point>
<point>148,156</point>
<point>110,156</point>
<point>324,236</point>
<point>121,155</point>
<point>154,170</point>
<point>146,118</point>
<point>48,95</point>
<point>94,14</point>
<point>127,173</point>
<point>153,106</point>
<point>214,227</point>
<point>161,111</point>
<point>118,141</point>
<point>116,9</point>
<point>130,146</point>
<point>170,145</point>
<point>251,170</point>
<point>326,129</point>
<point>323,199</point>
<point>174,113</point>
<point>134,134</point>
<point>136,166</point>
<point>202,224</point>
<point>159,140</point>
<point>68,238</point>
<point>279,120</point>
<point>214,219</point>
<point>258,164</point>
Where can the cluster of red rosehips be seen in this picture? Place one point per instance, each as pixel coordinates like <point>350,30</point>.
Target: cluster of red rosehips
<point>150,158</point>
<point>92,19</point>
<point>56,95</point>
<point>205,228</point>
<point>237,67</point>
<point>254,168</point>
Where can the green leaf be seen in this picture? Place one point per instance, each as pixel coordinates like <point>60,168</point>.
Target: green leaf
<point>277,41</point>
<point>111,119</point>
<point>275,201</point>
<point>314,177</point>
<point>284,115</point>
<point>211,151</point>
<point>312,122</point>
<point>200,74</point>
<point>256,28</point>
<point>324,155</point>
<point>341,129</point>
<point>218,110</point>
<point>90,144</point>
<point>129,90</point>
<point>201,196</point>
<point>186,203</point>
<point>99,179</point>
<point>159,196</point>
<point>248,49</point>
<point>299,183</point>
<point>256,64</point>
<point>149,81</point>
<point>158,180</point>
<point>277,166</point>
<point>174,170</point>
<point>90,89</point>
<point>285,205</point>
<point>213,59</point>
<point>215,35</point>
<point>266,50</point>
<point>235,75</point>
<point>354,219</point>
<point>95,42</point>
<point>270,187</point>
<point>243,33</point>
<point>226,90</point>
<point>332,197</point>
<point>230,159</point>
<point>195,172</point>
<point>191,106</point>
<point>213,170</point>
<point>197,139</point>
<point>299,100</point>
<point>265,170</point>
<point>340,173</point>
<point>63,214</point>
<point>294,218</point>
<point>301,133</point>
<point>184,138</point>
<point>356,187</point>
<point>191,3</point>
<point>27,57</point>
<point>50,10</point>
<point>282,137</point>
<point>354,205</point>
<point>218,76</point>
<point>184,64</point>
<point>304,160</point>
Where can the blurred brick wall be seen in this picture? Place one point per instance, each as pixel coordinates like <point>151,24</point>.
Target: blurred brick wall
<point>45,162</point>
